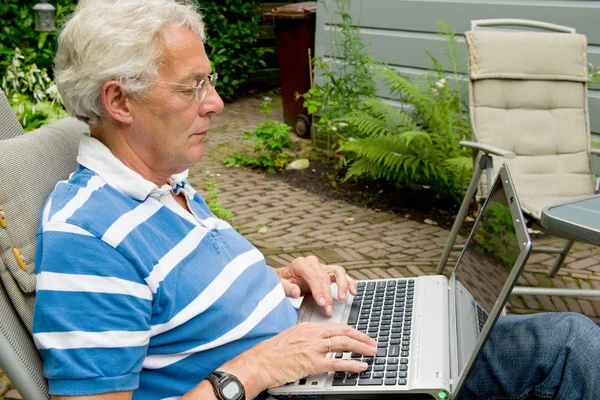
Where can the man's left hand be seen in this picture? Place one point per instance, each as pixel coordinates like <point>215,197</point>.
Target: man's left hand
<point>308,275</point>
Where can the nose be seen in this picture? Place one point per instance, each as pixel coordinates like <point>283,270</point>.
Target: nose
<point>212,103</point>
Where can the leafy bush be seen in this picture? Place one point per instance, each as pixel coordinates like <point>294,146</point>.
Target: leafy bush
<point>233,27</point>
<point>271,142</point>
<point>18,32</point>
<point>346,83</point>
<point>31,93</point>
<point>419,143</point>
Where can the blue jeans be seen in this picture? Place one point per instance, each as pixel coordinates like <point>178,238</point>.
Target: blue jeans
<point>542,356</point>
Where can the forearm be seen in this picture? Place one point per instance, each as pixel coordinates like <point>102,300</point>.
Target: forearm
<point>243,368</point>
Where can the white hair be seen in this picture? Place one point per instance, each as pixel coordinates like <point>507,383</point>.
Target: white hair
<point>115,40</point>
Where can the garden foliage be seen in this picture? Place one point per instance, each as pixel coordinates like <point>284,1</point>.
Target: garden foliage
<point>415,144</point>
<point>17,31</point>
<point>31,93</point>
<point>341,86</point>
<point>271,143</point>
<point>233,27</point>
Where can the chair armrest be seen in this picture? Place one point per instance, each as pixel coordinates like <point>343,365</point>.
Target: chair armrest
<point>595,152</point>
<point>488,149</point>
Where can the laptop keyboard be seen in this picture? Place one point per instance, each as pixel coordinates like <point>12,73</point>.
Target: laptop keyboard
<point>482,317</point>
<point>383,310</point>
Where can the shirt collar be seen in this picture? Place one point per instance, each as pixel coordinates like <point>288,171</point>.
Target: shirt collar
<point>98,158</point>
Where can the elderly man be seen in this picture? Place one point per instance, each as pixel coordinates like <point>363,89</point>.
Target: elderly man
<point>143,293</point>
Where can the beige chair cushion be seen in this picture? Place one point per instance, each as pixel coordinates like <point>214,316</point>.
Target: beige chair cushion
<point>527,55</point>
<point>9,124</point>
<point>528,95</point>
<point>30,167</point>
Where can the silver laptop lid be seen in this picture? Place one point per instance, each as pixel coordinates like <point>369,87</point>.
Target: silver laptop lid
<point>486,271</point>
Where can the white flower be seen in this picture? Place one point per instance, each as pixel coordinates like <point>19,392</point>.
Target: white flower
<point>351,139</point>
<point>397,154</point>
<point>333,128</point>
<point>439,84</point>
<point>342,124</point>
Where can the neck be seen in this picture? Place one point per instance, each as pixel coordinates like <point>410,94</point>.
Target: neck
<point>133,158</point>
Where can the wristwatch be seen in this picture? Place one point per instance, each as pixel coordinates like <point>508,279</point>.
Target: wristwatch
<point>226,386</point>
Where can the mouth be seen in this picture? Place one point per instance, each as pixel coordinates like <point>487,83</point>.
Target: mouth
<point>202,135</point>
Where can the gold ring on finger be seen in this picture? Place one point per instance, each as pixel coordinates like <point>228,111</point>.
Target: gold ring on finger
<point>329,345</point>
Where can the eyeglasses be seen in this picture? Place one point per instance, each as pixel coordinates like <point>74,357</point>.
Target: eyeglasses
<point>198,91</point>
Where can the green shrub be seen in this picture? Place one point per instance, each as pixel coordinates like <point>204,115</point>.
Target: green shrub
<point>418,143</point>
<point>271,142</point>
<point>31,93</point>
<point>345,84</point>
<point>18,32</point>
<point>233,27</point>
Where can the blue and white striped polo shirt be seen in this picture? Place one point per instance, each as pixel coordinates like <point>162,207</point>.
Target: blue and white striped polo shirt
<point>135,293</point>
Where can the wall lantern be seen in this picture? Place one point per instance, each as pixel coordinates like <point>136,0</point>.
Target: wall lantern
<point>44,17</point>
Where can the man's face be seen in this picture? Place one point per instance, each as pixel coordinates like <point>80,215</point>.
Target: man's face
<point>169,126</point>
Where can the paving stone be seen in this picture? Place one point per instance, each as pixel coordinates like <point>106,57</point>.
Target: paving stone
<point>13,394</point>
<point>374,244</point>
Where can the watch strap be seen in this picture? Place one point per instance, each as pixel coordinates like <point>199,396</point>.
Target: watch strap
<point>216,378</point>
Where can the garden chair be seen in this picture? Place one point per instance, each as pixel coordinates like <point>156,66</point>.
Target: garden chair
<point>9,124</point>
<point>529,108</point>
<point>30,165</point>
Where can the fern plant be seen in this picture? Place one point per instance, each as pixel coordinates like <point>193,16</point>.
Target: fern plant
<point>417,143</point>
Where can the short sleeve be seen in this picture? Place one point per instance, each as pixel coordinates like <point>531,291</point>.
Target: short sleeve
<point>92,314</point>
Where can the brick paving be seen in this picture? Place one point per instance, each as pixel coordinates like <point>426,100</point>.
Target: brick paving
<point>368,243</point>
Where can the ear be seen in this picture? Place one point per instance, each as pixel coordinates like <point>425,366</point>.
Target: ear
<point>116,102</point>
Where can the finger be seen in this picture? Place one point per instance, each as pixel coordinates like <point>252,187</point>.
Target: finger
<point>346,344</point>
<point>320,284</point>
<point>329,330</point>
<point>352,285</point>
<point>338,364</point>
<point>291,289</point>
<point>339,276</point>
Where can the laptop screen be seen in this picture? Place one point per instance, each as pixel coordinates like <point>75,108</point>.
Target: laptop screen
<point>483,269</point>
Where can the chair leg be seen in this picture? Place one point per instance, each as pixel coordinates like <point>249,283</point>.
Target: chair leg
<point>561,257</point>
<point>462,213</point>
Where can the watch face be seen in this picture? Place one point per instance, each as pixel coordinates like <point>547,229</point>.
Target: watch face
<point>231,389</point>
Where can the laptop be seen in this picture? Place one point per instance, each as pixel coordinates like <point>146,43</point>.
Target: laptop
<point>430,329</point>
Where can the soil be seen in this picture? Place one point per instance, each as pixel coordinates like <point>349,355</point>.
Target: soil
<point>416,202</point>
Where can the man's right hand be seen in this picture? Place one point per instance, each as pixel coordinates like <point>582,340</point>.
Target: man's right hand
<point>300,351</point>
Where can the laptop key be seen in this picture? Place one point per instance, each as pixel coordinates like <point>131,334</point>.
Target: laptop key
<point>379,361</point>
<point>390,382</point>
<point>352,375</point>
<point>378,368</point>
<point>390,374</point>
<point>370,382</point>
<point>377,375</point>
<point>391,368</point>
<point>364,375</point>
<point>356,355</point>
<point>404,361</point>
<point>339,355</point>
<point>404,354</point>
<point>353,317</point>
<point>394,351</point>
<point>339,375</point>
<point>341,382</point>
<point>402,374</point>
<point>381,352</point>
<point>391,361</point>
<point>403,367</point>
<point>401,381</point>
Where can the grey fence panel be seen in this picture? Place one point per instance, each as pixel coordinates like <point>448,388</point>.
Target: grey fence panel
<point>399,32</point>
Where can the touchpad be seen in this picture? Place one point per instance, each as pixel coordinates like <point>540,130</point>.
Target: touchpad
<point>312,312</point>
